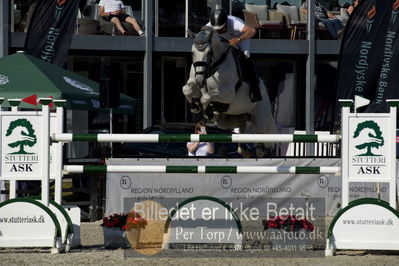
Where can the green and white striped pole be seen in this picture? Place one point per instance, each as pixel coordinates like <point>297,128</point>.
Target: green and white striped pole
<point>221,138</point>
<point>69,169</point>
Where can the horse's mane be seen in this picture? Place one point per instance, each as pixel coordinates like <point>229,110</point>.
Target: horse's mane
<point>205,36</point>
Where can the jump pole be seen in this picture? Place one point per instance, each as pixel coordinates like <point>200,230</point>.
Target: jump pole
<point>217,138</point>
<point>69,169</point>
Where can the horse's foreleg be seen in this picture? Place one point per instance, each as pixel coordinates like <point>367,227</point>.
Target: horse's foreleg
<point>192,94</point>
<point>189,90</point>
<point>205,100</point>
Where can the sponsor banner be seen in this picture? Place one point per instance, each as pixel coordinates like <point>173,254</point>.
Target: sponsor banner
<point>51,29</point>
<point>21,146</point>
<point>369,148</point>
<point>262,227</point>
<point>139,186</point>
<point>368,59</point>
<point>367,224</point>
<point>26,223</point>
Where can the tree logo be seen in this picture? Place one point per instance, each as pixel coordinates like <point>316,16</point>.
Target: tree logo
<point>23,133</point>
<point>372,134</point>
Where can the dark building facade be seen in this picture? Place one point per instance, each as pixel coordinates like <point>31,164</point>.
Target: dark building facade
<point>300,74</point>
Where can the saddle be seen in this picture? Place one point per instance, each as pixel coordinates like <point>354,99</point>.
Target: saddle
<point>242,67</point>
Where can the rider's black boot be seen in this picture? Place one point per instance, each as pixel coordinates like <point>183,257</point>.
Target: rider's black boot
<point>255,94</point>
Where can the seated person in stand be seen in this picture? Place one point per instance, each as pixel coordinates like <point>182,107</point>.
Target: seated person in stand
<point>200,148</point>
<point>352,7</point>
<point>114,11</point>
<point>333,24</point>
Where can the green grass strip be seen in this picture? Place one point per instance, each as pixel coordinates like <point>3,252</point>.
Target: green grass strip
<point>174,138</point>
<point>305,138</point>
<point>84,137</point>
<point>181,169</point>
<point>94,169</point>
<point>346,103</point>
<point>393,103</point>
<point>221,169</point>
<point>216,138</point>
<point>307,170</point>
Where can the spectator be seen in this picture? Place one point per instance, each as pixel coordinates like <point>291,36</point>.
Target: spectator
<point>200,148</point>
<point>352,7</point>
<point>114,11</point>
<point>238,34</point>
<point>333,24</point>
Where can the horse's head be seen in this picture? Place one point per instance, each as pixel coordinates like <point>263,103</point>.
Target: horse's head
<point>206,49</point>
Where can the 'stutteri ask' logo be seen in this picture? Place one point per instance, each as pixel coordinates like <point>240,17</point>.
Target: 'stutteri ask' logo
<point>22,133</point>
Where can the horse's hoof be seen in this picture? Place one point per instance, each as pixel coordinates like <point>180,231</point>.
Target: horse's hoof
<point>260,151</point>
<point>208,114</point>
<point>195,110</point>
<point>244,151</point>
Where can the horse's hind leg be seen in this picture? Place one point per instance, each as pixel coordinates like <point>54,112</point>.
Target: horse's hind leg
<point>264,123</point>
<point>240,122</point>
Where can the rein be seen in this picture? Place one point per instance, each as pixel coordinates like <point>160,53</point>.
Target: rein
<point>211,67</point>
<point>215,65</point>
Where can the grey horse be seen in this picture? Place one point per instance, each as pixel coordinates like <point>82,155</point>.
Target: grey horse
<point>215,87</point>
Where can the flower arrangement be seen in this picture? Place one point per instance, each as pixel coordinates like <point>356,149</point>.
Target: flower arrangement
<point>287,223</point>
<point>132,220</point>
<point>115,220</point>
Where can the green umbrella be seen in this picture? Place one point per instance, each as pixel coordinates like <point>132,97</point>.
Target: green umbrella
<point>23,76</point>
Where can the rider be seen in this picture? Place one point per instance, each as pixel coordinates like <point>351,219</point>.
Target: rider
<point>234,29</point>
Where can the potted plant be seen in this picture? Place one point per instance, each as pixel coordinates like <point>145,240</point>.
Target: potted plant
<point>113,229</point>
<point>133,226</point>
<point>117,226</point>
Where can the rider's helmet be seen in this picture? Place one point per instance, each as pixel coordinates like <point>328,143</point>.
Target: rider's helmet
<point>218,19</point>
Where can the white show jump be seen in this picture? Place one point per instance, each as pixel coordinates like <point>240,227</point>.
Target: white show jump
<point>368,155</point>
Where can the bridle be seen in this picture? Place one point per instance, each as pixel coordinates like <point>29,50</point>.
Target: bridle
<point>202,41</point>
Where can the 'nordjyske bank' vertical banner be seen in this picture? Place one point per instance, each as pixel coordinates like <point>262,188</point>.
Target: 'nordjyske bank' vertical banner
<point>51,29</point>
<point>369,59</point>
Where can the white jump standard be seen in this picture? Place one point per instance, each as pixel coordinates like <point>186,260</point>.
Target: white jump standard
<point>368,155</point>
<point>25,155</point>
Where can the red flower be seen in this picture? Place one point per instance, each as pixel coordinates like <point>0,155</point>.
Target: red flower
<point>115,220</point>
<point>132,220</point>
